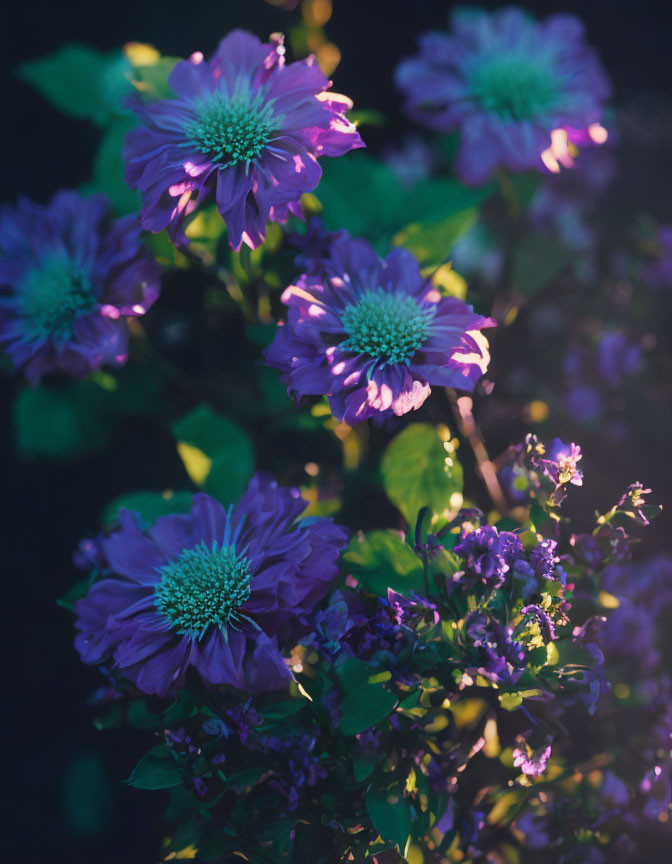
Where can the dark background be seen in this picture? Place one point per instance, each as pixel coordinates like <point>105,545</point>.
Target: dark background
<point>62,797</point>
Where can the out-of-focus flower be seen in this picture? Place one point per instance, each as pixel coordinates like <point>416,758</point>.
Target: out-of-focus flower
<point>245,130</point>
<point>69,276</point>
<point>617,357</point>
<point>584,403</point>
<point>659,271</point>
<point>412,161</point>
<point>373,335</point>
<point>209,590</point>
<point>505,81</point>
<point>657,787</point>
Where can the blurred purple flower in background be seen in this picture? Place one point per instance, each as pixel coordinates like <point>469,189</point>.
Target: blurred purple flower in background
<point>505,81</point>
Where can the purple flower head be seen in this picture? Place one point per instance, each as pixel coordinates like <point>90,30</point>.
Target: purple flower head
<point>543,559</point>
<point>502,657</point>
<point>531,762</point>
<point>505,81</point>
<point>618,357</point>
<point>373,335</point>
<point>210,590</point>
<point>244,129</point>
<point>561,462</point>
<point>489,554</point>
<point>69,276</point>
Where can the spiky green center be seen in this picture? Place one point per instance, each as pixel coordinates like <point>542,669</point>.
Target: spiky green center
<point>204,587</point>
<point>384,325</point>
<point>232,129</point>
<point>54,295</point>
<point>514,87</point>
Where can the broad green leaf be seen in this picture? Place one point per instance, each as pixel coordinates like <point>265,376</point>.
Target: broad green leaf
<point>421,470</point>
<point>364,196</point>
<point>108,168</point>
<point>390,815</point>
<point>80,81</point>
<point>60,422</point>
<point>432,242</point>
<point>217,453</point>
<point>151,79</point>
<point>382,560</point>
<point>156,770</point>
<point>364,707</point>
<point>150,505</point>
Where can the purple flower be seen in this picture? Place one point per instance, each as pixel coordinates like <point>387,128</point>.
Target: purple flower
<point>506,82</point>
<point>489,554</point>
<point>245,130</point>
<point>373,335</point>
<point>209,590</point>
<point>69,276</point>
<point>561,462</point>
<point>503,658</point>
<point>531,762</point>
<point>617,357</point>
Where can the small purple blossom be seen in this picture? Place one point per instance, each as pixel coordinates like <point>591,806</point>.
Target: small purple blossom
<point>531,762</point>
<point>69,277</point>
<point>505,81</point>
<point>561,463</point>
<point>373,335</point>
<point>490,554</point>
<point>245,130</point>
<point>210,590</point>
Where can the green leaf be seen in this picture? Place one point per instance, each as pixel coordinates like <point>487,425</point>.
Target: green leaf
<point>510,701</point>
<point>80,82</point>
<point>536,262</point>
<point>59,422</point>
<point>382,560</point>
<point>419,470</point>
<point>216,452</point>
<point>363,764</point>
<point>364,196</point>
<point>390,815</point>
<point>150,505</point>
<point>108,168</point>
<point>156,770</point>
<point>75,592</point>
<point>152,79</point>
<point>364,707</point>
<point>432,242</point>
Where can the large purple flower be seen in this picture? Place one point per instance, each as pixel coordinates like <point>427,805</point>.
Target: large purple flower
<point>373,335</point>
<point>68,277</point>
<point>244,129</point>
<point>506,82</point>
<point>211,590</point>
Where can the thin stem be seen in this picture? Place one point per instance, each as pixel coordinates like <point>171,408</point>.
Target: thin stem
<point>466,424</point>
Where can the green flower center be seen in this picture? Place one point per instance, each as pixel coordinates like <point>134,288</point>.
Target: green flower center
<point>513,87</point>
<point>203,587</point>
<point>232,129</point>
<point>54,295</point>
<point>385,325</point>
